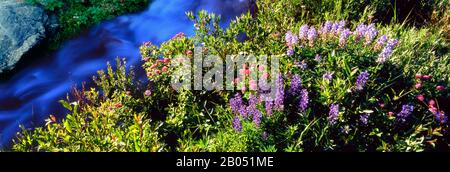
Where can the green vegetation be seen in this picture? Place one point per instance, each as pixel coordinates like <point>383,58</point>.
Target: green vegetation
<point>75,15</point>
<point>343,90</point>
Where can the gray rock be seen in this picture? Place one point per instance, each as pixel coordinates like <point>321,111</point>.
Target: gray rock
<point>22,27</point>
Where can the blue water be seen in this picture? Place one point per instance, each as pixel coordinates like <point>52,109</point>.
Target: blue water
<point>31,94</point>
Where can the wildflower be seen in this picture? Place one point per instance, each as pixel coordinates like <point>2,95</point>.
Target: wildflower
<point>343,37</point>
<point>326,28</point>
<point>380,42</point>
<point>312,34</point>
<point>420,97</point>
<point>426,77</point>
<point>387,51</point>
<point>346,129</point>
<point>290,52</point>
<point>440,88</point>
<point>237,124</point>
<point>279,94</point>
<point>265,135</point>
<point>441,117</point>
<point>405,113</point>
<point>303,33</point>
<point>147,93</point>
<point>304,100</point>
<point>317,58</point>
<point>253,85</point>
<point>165,69</point>
<point>257,115</point>
<point>236,103</point>
<point>328,76</point>
<point>364,119</point>
<point>291,39</point>
<point>302,65</point>
<point>418,76</point>
<point>362,80</point>
<point>269,107</point>
<point>296,85</point>
<point>418,85</point>
<point>371,33</point>
<point>431,103</point>
<point>179,35</point>
<point>360,31</point>
<point>333,114</point>
<point>252,100</point>
<point>166,61</point>
<point>338,27</point>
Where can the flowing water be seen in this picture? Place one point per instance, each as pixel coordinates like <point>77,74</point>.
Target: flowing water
<point>32,93</point>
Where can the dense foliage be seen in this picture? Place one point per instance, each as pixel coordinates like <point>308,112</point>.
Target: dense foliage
<point>344,85</point>
<point>75,15</point>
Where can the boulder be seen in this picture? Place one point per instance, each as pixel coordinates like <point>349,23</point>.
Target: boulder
<point>22,27</point>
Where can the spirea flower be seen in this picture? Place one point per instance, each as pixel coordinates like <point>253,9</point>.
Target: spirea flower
<point>362,80</point>
<point>237,124</point>
<point>279,93</point>
<point>333,114</point>
<point>441,117</point>
<point>303,33</point>
<point>387,51</point>
<point>296,85</point>
<point>304,100</point>
<point>291,39</point>
<point>328,76</point>
<point>364,119</point>
<point>371,33</point>
<point>405,113</point>
<point>343,37</point>
<point>380,42</point>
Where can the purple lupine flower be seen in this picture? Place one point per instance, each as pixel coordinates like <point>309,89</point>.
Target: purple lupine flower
<point>312,34</point>
<point>441,117</point>
<point>326,28</point>
<point>257,115</point>
<point>244,112</point>
<point>333,114</point>
<point>269,108</point>
<point>290,51</point>
<point>360,31</point>
<point>252,100</point>
<point>380,42</point>
<point>304,100</point>
<point>236,103</point>
<point>317,58</point>
<point>237,124</point>
<point>303,33</point>
<point>341,26</point>
<point>387,51</point>
<point>362,80</point>
<point>364,119</point>
<point>343,37</point>
<point>371,33</point>
<point>291,39</point>
<point>405,113</point>
<point>296,85</point>
<point>328,76</point>
<point>279,94</point>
